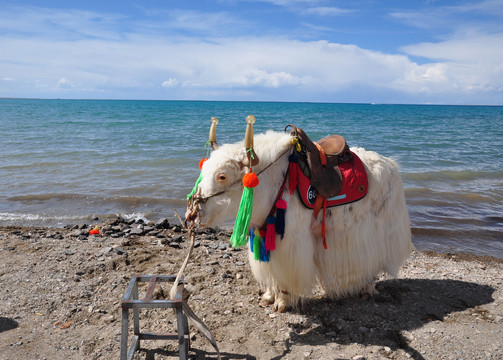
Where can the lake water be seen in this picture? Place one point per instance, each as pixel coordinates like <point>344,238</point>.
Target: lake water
<point>66,161</point>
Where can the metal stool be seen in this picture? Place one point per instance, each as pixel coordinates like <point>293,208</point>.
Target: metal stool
<point>131,301</point>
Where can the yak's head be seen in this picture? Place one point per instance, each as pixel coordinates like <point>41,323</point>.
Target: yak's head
<point>219,193</point>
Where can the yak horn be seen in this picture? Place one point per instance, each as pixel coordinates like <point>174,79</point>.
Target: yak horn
<point>213,133</point>
<point>251,158</point>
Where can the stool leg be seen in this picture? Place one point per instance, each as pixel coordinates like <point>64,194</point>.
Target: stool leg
<point>124,334</point>
<point>186,332</point>
<point>180,321</point>
<point>136,315</point>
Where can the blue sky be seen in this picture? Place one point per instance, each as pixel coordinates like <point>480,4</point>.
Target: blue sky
<point>441,52</point>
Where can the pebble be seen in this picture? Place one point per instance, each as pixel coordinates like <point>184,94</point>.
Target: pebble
<point>387,351</point>
<point>119,250</point>
<point>148,229</point>
<point>162,224</point>
<point>177,239</point>
<point>137,231</point>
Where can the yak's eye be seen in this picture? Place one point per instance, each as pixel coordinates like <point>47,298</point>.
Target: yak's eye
<point>221,178</point>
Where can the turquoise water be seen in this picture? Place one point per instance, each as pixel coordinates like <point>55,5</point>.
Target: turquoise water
<point>66,161</point>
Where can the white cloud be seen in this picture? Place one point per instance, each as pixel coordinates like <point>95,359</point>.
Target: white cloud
<point>482,48</point>
<point>466,65</point>
<point>58,24</point>
<point>328,11</point>
<point>229,64</point>
<point>171,82</point>
<point>133,64</point>
<point>64,83</point>
<point>460,18</point>
<point>258,77</point>
<point>289,2</point>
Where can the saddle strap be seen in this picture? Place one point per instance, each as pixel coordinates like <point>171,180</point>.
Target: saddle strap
<point>323,156</point>
<point>321,202</point>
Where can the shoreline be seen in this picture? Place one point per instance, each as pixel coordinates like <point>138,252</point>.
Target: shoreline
<point>95,221</point>
<point>61,293</point>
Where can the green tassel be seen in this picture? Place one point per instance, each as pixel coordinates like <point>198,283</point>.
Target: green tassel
<point>243,219</point>
<point>257,240</point>
<point>194,190</point>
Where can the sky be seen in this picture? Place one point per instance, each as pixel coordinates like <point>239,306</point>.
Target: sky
<point>359,51</point>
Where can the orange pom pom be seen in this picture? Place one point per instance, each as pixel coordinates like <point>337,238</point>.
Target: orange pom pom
<point>250,180</point>
<point>201,163</point>
<point>94,232</point>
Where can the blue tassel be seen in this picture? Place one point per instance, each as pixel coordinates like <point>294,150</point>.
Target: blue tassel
<point>252,236</point>
<point>280,217</point>
<point>264,253</point>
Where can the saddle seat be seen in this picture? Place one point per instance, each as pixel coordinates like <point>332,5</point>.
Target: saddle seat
<point>333,144</point>
<point>319,161</point>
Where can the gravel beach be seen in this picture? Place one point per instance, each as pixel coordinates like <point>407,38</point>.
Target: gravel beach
<point>61,291</point>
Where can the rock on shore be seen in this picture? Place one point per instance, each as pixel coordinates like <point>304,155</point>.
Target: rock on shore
<point>61,290</point>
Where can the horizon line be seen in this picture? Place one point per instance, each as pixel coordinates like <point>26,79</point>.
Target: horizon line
<point>251,101</point>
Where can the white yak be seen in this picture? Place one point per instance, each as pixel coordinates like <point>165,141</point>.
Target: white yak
<point>364,238</point>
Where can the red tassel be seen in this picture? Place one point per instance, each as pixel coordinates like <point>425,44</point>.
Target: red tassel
<point>292,173</point>
<point>270,236</point>
<point>323,234</point>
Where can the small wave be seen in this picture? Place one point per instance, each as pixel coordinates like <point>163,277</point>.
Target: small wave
<point>452,175</point>
<point>96,199</point>
<point>476,241</point>
<point>134,216</point>
<point>46,197</point>
<point>18,217</point>
<point>435,197</point>
<point>455,234</point>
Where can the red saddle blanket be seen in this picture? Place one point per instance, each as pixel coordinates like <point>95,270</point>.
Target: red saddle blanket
<point>354,184</point>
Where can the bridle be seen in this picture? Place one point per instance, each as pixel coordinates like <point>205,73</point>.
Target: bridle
<point>197,199</point>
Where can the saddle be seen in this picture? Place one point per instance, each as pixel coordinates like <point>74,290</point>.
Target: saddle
<point>319,161</point>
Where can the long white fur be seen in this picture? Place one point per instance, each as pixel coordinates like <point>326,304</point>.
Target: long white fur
<point>364,238</point>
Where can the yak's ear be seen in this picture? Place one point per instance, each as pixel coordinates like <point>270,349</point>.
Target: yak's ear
<point>243,162</point>
<point>212,139</point>
<point>250,159</point>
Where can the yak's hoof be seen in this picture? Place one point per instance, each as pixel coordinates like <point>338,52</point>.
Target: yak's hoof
<point>266,302</point>
<point>267,298</point>
<point>369,290</point>
<point>281,307</point>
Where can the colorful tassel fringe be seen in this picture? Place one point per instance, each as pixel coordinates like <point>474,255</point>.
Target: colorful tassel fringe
<point>280,217</point>
<point>270,237</point>
<point>258,246</point>
<point>243,218</point>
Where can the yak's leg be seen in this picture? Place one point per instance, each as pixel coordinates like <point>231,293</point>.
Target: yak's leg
<point>369,289</point>
<point>268,297</point>
<point>283,302</point>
